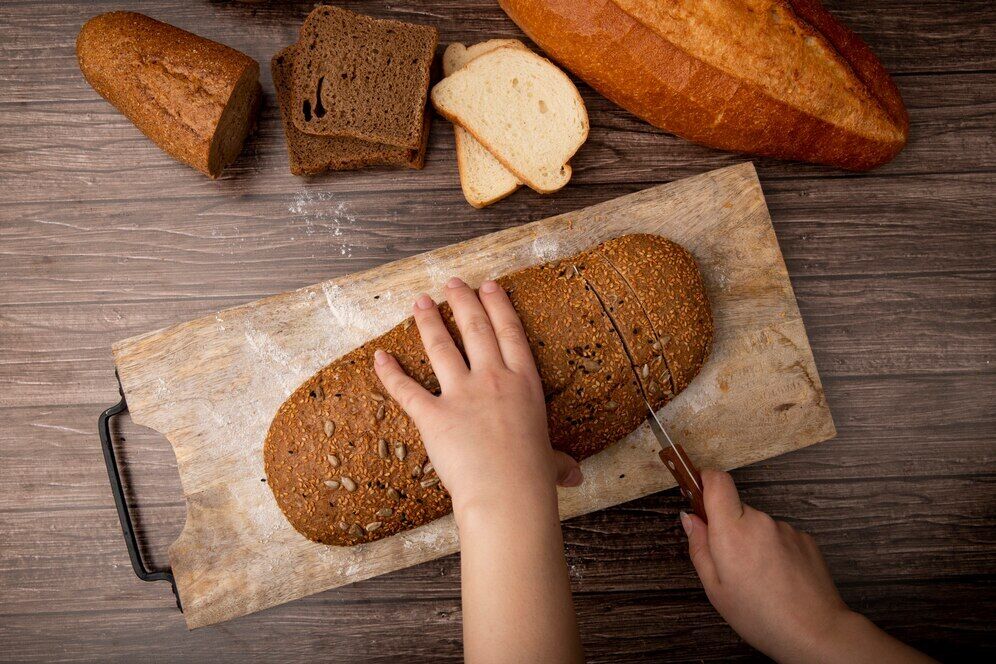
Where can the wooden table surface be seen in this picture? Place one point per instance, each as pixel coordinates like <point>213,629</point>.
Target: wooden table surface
<point>102,236</point>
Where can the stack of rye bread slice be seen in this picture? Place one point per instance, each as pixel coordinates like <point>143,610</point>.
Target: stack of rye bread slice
<point>352,92</point>
<point>518,119</point>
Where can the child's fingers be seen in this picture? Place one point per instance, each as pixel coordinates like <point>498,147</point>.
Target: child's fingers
<point>411,396</point>
<point>698,550</point>
<point>722,502</point>
<point>444,356</point>
<point>508,328</point>
<point>568,471</point>
<point>475,327</point>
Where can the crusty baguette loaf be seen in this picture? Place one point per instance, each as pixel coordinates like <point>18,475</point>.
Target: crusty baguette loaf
<point>309,154</point>
<point>195,98</point>
<point>346,464</point>
<point>522,109</point>
<point>482,177</point>
<point>780,78</point>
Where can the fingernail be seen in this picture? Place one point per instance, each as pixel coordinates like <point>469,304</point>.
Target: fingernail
<point>489,286</point>
<point>574,477</point>
<point>686,523</point>
<point>380,357</point>
<point>455,282</point>
<point>423,301</point>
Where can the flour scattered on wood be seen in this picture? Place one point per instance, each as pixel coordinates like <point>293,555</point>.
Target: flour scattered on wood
<point>270,358</point>
<point>264,346</point>
<point>430,537</point>
<point>437,275</point>
<point>346,312</point>
<point>546,248</point>
<point>576,571</point>
<point>267,519</point>
<point>320,213</point>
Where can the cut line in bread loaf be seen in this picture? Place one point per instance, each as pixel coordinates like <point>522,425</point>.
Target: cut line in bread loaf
<point>346,465</point>
<point>522,109</point>
<point>482,177</point>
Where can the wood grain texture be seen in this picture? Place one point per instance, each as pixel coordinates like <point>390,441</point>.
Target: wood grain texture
<point>212,386</point>
<point>102,237</point>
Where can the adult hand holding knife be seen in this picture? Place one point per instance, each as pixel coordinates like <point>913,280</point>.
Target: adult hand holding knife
<point>766,579</point>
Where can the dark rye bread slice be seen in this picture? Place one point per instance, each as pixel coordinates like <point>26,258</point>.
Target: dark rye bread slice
<point>311,155</point>
<point>362,77</point>
<point>337,483</point>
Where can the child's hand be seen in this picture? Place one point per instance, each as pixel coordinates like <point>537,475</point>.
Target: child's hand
<point>487,432</point>
<point>771,584</point>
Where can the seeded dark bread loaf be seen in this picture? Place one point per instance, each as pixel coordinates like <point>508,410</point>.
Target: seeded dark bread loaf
<point>362,77</point>
<point>780,78</point>
<point>310,154</point>
<point>195,98</point>
<point>347,466</point>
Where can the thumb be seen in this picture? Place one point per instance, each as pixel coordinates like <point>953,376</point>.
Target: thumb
<point>568,470</point>
<point>698,549</point>
<point>411,396</point>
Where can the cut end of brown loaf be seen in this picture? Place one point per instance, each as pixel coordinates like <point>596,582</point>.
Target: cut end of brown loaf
<point>195,98</point>
<point>341,455</point>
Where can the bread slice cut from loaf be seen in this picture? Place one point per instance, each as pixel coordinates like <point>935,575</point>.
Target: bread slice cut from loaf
<point>482,177</point>
<point>522,109</point>
<point>311,155</point>
<point>362,77</point>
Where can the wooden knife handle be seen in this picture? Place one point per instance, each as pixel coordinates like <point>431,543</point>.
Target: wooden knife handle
<point>687,475</point>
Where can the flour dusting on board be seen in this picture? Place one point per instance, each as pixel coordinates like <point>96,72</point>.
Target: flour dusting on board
<point>269,358</point>
<point>264,346</point>
<point>267,519</point>
<point>426,537</point>
<point>546,248</point>
<point>346,312</point>
<point>437,275</point>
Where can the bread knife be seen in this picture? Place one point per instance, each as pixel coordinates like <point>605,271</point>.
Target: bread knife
<point>672,454</point>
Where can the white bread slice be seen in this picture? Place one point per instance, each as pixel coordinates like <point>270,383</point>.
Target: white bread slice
<point>482,177</point>
<point>522,109</point>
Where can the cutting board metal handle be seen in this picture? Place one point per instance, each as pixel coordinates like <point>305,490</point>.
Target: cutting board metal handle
<point>124,515</point>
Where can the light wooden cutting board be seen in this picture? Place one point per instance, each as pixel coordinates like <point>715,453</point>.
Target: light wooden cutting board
<point>212,386</point>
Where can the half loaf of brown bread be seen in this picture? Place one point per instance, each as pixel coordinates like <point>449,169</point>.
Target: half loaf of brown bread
<point>780,78</point>
<point>195,98</point>
<point>346,464</point>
